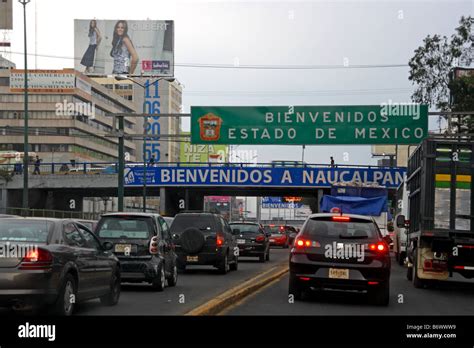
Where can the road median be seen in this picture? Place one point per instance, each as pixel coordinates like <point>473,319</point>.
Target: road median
<point>238,293</point>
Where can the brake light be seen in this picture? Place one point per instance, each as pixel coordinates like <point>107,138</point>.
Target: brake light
<point>37,259</point>
<point>306,243</point>
<point>153,245</point>
<point>341,218</point>
<point>219,240</point>
<point>379,247</point>
<point>260,239</point>
<point>282,228</point>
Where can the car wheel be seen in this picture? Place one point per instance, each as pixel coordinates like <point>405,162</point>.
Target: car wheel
<point>173,280</point>
<point>224,265</point>
<point>65,303</point>
<point>417,282</point>
<point>158,284</point>
<point>286,245</point>
<point>235,265</point>
<point>295,289</point>
<point>261,258</point>
<point>381,295</point>
<point>267,257</point>
<point>112,298</point>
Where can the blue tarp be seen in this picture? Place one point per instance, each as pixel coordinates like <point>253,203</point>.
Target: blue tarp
<point>355,205</point>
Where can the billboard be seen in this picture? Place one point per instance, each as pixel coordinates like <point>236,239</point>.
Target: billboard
<point>280,202</point>
<point>43,81</point>
<point>123,47</point>
<point>6,22</point>
<point>392,123</point>
<point>189,153</point>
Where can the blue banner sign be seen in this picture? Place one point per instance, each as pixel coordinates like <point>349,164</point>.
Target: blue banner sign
<point>278,203</point>
<point>262,176</point>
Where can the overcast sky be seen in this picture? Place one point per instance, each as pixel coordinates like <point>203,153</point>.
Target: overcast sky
<point>265,33</point>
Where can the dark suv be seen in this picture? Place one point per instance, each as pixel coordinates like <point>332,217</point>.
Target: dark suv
<point>252,240</point>
<point>343,252</point>
<point>204,239</point>
<point>142,242</point>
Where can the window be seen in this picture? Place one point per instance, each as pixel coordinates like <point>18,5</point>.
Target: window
<point>165,229</point>
<point>72,236</point>
<point>90,241</point>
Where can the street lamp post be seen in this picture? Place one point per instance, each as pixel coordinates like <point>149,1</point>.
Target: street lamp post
<point>121,151</point>
<point>25,204</point>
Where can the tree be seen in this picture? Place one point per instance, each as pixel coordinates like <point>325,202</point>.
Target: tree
<point>432,63</point>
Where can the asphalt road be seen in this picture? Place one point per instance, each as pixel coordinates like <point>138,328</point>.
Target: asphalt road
<point>448,299</point>
<point>198,285</point>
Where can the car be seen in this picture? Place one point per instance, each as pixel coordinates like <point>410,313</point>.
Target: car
<point>279,235</point>
<point>204,238</point>
<point>252,240</point>
<point>143,244</point>
<point>341,252</point>
<point>59,263</point>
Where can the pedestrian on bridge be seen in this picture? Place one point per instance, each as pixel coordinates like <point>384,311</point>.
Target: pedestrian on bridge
<point>332,162</point>
<point>37,166</point>
<point>151,162</point>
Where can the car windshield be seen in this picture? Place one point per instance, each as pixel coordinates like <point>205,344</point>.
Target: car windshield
<point>19,230</point>
<point>182,222</point>
<point>275,229</point>
<point>245,228</point>
<point>125,227</point>
<point>326,228</point>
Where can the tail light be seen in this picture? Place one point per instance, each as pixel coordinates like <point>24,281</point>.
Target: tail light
<point>260,239</point>
<point>37,259</point>
<point>378,247</point>
<point>301,243</point>
<point>219,240</point>
<point>154,245</point>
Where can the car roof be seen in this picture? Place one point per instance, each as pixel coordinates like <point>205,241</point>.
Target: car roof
<point>355,216</point>
<point>131,214</point>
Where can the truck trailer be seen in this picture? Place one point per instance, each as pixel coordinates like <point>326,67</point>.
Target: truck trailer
<point>441,212</point>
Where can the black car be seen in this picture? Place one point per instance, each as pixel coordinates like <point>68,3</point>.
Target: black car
<point>143,244</point>
<point>204,239</point>
<point>343,252</point>
<point>252,240</point>
<point>58,263</point>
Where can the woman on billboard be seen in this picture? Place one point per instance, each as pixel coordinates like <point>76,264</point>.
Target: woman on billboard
<point>94,40</point>
<point>124,53</point>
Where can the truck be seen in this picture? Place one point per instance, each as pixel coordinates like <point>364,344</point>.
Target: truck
<point>441,212</point>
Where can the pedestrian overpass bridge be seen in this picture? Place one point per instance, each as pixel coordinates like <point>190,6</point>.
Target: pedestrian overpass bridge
<point>175,182</point>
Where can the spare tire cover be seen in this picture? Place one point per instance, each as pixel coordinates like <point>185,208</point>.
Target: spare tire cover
<point>192,240</point>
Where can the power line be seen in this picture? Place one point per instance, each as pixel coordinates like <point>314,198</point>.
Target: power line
<point>249,66</point>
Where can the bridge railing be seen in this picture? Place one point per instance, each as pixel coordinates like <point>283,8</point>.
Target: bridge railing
<point>46,213</point>
<point>90,168</point>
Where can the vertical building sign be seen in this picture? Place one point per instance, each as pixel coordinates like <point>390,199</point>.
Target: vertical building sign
<point>152,105</point>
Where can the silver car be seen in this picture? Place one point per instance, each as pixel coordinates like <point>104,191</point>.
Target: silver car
<point>54,263</point>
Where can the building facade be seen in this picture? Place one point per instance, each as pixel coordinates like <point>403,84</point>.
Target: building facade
<point>162,97</point>
<point>68,116</point>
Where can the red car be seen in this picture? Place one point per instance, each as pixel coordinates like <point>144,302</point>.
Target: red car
<point>279,235</point>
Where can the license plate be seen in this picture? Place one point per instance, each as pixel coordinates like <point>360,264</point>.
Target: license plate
<point>192,258</point>
<point>272,240</point>
<point>122,248</point>
<point>240,241</point>
<point>338,273</point>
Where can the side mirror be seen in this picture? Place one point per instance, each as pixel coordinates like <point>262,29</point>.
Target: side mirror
<point>400,221</point>
<point>235,231</point>
<point>175,236</point>
<point>107,246</point>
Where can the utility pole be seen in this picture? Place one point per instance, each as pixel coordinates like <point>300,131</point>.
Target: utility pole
<point>26,156</point>
<point>121,164</point>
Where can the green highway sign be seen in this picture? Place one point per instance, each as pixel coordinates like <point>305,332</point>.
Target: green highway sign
<point>390,123</point>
